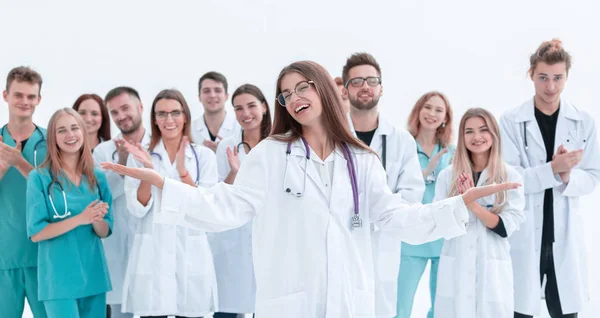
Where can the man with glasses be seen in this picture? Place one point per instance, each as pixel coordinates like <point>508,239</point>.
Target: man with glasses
<point>125,108</point>
<point>398,153</point>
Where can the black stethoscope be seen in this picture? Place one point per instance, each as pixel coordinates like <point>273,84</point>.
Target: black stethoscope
<point>35,147</point>
<point>66,212</point>
<point>356,221</point>
<point>243,143</point>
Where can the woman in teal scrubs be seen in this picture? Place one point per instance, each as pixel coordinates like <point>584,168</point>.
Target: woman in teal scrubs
<point>430,122</point>
<point>67,214</point>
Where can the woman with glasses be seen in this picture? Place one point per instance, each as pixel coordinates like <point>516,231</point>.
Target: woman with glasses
<point>475,276</point>
<point>170,269</point>
<point>232,249</point>
<point>313,192</point>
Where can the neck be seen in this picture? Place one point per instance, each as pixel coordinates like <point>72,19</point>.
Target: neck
<point>172,145</point>
<point>137,135</point>
<point>364,120</point>
<point>546,108</point>
<point>426,137</point>
<point>252,136</point>
<point>318,140</point>
<point>70,162</point>
<point>480,160</point>
<point>214,121</point>
<point>20,128</point>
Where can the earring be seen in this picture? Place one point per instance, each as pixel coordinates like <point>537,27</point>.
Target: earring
<point>443,125</point>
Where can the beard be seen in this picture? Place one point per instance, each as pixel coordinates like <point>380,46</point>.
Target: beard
<point>136,124</point>
<point>354,102</point>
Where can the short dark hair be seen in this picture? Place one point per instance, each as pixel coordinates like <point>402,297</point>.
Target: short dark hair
<point>121,90</point>
<point>24,74</point>
<point>358,59</point>
<point>215,76</point>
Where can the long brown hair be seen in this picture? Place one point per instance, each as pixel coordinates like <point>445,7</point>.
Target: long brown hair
<point>104,130</point>
<point>462,162</point>
<point>443,135</point>
<point>265,123</point>
<point>335,122</point>
<point>175,95</point>
<point>53,161</point>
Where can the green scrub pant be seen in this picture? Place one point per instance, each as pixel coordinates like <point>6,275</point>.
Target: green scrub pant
<point>411,270</point>
<point>15,285</point>
<point>87,307</point>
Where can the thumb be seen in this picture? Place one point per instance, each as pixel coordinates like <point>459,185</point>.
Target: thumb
<point>235,151</point>
<point>93,203</point>
<point>1,139</point>
<point>229,152</point>
<point>19,145</point>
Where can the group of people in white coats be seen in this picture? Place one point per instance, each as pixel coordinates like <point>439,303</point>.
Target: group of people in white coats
<point>302,215</point>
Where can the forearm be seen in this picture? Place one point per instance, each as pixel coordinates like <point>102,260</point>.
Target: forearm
<point>56,229</point>
<point>144,192</point>
<point>187,179</point>
<point>486,217</point>
<point>24,167</point>
<point>230,177</point>
<point>100,228</point>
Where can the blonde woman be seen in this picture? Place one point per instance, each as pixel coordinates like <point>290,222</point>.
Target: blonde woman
<point>67,215</point>
<point>475,276</point>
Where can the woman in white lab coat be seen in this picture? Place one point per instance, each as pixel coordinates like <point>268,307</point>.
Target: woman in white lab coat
<point>170,269</point>
<point>475,272</point>
<point>232,249</point>
<point>554,147</point>
<point>313,191</point>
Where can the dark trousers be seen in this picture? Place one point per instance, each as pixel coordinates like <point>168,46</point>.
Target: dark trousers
<point>551,292</point>
<point>225,315</point>
<point>165,317</point>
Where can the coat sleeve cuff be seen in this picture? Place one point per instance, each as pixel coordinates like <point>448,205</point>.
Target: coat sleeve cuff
<point>451,225</point>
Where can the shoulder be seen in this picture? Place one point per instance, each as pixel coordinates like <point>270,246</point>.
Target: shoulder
<point>512,174</point>
<point>105,146</point>
<point>202,151</point>
<point>39,173</point>
<point>446,173</point>
<point>99,174</point>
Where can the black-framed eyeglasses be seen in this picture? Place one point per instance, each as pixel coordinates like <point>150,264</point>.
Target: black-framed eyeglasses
<point>300,90</point>
<point>358,81</point>
<point>175,114</point>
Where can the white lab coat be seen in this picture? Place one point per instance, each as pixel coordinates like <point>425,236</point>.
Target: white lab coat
<point>308,261</point>
<point>403,176</point>
<point>575,129</point>
<point>200,132</point>
<point>118,245</point>
<point>232,249</point>
<point>170,270</point>
<point>475,272</point>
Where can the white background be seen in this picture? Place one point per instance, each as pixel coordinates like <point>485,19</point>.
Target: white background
<point>474,51</point>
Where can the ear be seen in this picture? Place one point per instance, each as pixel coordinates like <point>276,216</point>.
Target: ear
<point>226,97</point>
<point>344,93</point>
<point>5,95</point>
<point>264,106</point>
<point>381,91</point>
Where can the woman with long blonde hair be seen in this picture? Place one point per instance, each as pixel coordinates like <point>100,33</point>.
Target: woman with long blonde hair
<point>68,214</point>
<point>475,273</point>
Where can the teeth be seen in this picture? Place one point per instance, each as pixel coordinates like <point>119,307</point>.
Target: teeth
<point>170,127</point>
<point>71,142</point>
<point>248,120</point>
<point>299,108</point>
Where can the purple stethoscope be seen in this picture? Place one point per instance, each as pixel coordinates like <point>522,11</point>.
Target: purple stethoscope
<point>356,221</point>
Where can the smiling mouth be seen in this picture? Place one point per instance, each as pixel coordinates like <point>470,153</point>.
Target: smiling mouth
<point>71,142</point>
<point>248,120</point>
<point>301,108</point>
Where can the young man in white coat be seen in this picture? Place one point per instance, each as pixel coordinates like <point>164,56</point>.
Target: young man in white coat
<point>398,153</point>
<point>125,109</point>
<point>554,146</point>
<point>215,123</point>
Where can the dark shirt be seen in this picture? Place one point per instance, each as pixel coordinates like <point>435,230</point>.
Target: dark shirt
<point>366,136</point>
<point>499,228</point>
<point>547,124</point>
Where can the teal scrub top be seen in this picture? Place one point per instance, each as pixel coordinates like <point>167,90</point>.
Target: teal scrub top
<point>431,249</point>
<point>17,251</point>
<point>71,265</point>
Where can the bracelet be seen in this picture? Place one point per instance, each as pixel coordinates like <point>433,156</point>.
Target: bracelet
<point>185,175</point>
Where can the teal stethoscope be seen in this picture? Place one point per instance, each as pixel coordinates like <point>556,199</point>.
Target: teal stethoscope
<point>35,147</point>
<point>356,221</point>
<point>66,212</point>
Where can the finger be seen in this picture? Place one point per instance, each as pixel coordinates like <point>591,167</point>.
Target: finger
<point>1,139</point>
<point>228,152</point>
<point>93,203</point>
<point>219,137</point>
<point>235,151</point>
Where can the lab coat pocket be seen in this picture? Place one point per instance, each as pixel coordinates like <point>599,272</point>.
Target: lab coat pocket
<point>290,306</point>
<point>446,277</point>
<point>499,281</point>
<point>571,141</point>
<point>364,303</point>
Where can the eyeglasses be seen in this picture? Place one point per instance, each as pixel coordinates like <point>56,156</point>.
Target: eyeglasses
<point>300,89</point>
<point>175,114</point>
<point>358,81</point>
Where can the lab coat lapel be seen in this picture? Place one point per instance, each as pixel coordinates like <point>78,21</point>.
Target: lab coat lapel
<point>307,167</point>
<point>340,186</point>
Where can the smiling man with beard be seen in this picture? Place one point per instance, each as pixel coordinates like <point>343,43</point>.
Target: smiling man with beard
<point>398,153</point>
<point>125,109</point>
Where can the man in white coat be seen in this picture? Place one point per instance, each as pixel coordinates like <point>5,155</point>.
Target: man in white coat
<point>215,123</point>
<point>125,109</point>
<point>398,153</point>
<point>555,148</point>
